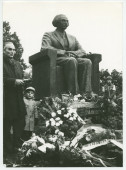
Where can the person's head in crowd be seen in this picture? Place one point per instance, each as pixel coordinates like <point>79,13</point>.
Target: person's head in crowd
<point>109,80</point>
<point>61,22</point>
<point>29,93</point>
<point>9,49</point>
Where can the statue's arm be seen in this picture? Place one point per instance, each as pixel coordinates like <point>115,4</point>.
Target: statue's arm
<point>47,44</point>
<point>79,51</point>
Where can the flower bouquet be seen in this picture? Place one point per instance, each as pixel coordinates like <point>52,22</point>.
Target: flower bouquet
<point>36,152</point>
<point>61,136</point>
<point>55,117</point>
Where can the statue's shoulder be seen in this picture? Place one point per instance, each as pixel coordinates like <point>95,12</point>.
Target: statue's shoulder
<point>71,36</point>
<point>49,33</point>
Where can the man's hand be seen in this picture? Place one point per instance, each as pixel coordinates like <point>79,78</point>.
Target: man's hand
<point>19,82</point>
<point>27,80</point>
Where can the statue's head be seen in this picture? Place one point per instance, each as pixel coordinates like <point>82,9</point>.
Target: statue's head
<point>60,21</point>
<point>9,49</point>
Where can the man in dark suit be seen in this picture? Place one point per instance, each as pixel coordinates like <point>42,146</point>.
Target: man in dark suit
<point>14,108</point>
<point>77,69</point>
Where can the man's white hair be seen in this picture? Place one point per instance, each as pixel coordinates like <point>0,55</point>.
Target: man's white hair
<point>8,42</point>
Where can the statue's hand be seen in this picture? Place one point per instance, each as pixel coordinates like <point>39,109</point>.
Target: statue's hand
<point>61,52</point>
<point>89,53</point>
<point>70,54</point>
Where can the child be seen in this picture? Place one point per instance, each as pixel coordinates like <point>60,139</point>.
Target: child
<point>32,113</point>
<point>109,89</point>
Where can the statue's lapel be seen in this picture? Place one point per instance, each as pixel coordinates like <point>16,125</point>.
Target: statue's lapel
<point>70,41</point>
<point>58,38</point>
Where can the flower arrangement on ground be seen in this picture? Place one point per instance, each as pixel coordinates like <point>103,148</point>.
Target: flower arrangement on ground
<point>60,138</point>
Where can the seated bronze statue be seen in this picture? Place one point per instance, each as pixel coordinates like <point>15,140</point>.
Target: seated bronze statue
<point>63,50</point>
<point>70,56</point>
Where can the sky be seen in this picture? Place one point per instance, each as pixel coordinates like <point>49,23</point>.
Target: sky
<point>97,26</point>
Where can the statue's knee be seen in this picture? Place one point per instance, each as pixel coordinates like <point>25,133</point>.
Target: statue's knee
<point>72,60</point>
<point>88,62</point>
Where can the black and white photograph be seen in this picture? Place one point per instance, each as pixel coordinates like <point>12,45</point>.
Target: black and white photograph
<point>62,94</point>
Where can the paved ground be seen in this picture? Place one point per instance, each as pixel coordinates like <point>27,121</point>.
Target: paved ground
<point>10,159</point>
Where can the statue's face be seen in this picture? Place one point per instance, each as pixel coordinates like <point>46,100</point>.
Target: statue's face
<point>9,50</point>
<point>63,23</point>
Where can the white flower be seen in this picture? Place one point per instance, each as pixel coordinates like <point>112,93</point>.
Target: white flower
<point>52,120</point>
<point>75,111</point>
<point>83,100</point>
<point>63,109</point>
<point>57,119</point>
<point>60,122</point>
<point>57,124</point>
<point>25,144</point>
<point>33,134</point>
<point>19,149</point>
<point>75,98</point>
<point>28,153</point>
<point>74,118</point>
<point>75,95</point>
<point>69,114</point>
<point>53,114</point>
<point>41,140</point>
<point>75,115</point>
<point>59,112</point>
<point>56,131</point>
<point>62,147</point>
<point>53,123</point>
<point>113,104</point>
<point>42,148</point>
<point>66,115</point>
<point>79,95</point>
<point>47,123</point>
<point>88,137</point>
<point>53,138</point>
<point>50,146</point>
<point>71,118</point>
<point>71,110</point>
<point>61,134</point>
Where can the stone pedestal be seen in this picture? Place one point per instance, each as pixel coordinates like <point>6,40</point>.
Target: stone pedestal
<point>88,110</point>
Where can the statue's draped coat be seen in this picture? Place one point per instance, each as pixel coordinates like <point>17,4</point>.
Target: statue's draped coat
<point>77,70</point>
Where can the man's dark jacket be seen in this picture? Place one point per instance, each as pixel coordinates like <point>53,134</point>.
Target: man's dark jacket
<point>14,106</point>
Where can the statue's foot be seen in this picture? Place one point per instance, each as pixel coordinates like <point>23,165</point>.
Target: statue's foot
<point>90,97</point>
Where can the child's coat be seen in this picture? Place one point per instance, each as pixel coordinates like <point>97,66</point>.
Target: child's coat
<point>32,113</point>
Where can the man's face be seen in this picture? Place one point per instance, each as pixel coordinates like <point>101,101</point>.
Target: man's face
<point>109,81</point>
<point>63,23</point>
<point>9,50</point>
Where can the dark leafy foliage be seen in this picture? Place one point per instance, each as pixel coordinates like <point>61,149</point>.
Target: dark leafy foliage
<point>111,112</point>
<point>116,80</point>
